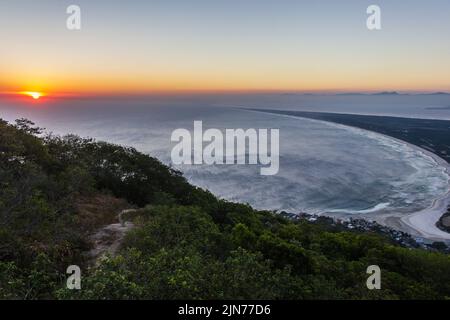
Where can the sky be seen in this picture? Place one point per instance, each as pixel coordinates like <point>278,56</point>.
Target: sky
<point>139,47</point>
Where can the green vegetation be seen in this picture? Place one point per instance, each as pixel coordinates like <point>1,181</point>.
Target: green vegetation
<point>187,244</point>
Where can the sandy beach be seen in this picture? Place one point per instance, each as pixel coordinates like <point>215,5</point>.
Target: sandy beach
<point>423,223</point>
<point>418,224</point>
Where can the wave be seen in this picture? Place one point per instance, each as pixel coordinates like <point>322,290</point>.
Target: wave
<point>375,208</point>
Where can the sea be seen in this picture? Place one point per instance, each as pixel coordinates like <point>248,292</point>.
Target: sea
<point>325,168</point>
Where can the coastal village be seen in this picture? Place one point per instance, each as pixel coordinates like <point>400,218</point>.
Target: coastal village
<point>360,225</point>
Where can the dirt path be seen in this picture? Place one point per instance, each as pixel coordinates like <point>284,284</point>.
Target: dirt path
<point>107,240</point>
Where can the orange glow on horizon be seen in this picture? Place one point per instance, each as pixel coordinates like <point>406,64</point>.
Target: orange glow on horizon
<point>33,94</point>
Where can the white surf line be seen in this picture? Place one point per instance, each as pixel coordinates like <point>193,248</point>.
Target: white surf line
<point>421,223</point>
<point>424,221</point>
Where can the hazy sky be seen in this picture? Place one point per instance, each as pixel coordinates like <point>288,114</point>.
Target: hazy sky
<point>146,46</point>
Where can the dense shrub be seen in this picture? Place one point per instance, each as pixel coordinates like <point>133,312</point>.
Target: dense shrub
<point>186,244</point>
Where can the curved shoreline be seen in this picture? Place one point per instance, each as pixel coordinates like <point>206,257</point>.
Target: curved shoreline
<point>418,224</point>
<point>422,223</point>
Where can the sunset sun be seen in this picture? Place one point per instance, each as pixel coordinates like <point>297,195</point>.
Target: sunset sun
<point>35,95</point>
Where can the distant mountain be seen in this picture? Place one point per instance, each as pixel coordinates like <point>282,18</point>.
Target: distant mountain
<point>351,94</point>
<point>391,93</point>
<point>386,93</point>
<point>297,94</point>
<point>436,93</point>
<point>382,93</point>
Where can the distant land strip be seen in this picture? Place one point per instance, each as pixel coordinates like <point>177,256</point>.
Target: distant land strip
<point>429,134</point>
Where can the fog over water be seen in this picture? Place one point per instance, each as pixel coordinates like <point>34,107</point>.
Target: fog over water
<point>323,167</point>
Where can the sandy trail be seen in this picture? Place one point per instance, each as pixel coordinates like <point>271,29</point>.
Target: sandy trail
<point>108,239</point>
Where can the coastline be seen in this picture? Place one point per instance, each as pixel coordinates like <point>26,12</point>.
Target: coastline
<point>423,223</point>
<point>418,224</point>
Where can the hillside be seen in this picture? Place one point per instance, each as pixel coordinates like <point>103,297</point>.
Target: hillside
<point>56,192</point>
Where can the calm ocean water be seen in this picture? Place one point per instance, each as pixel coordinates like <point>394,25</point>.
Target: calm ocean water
<point>323,167</point>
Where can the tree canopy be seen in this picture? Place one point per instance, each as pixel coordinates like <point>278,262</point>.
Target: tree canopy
<point>186,244</point>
